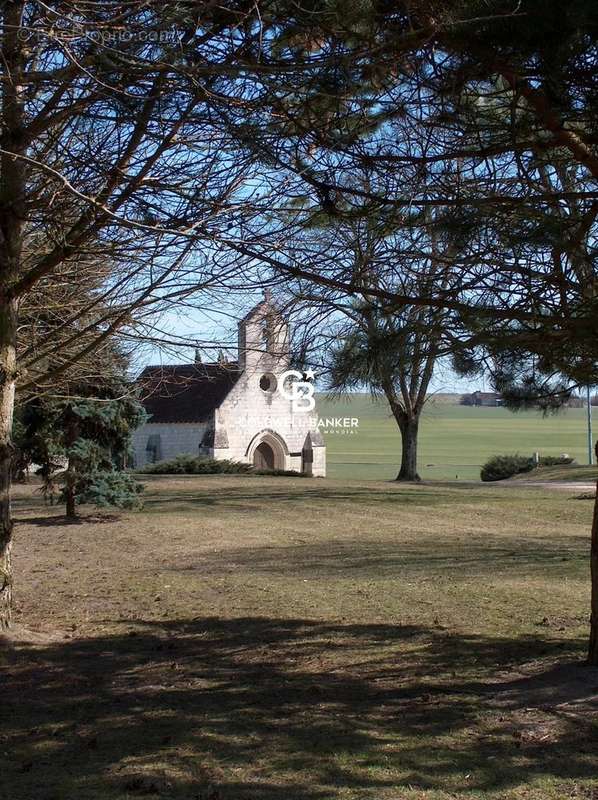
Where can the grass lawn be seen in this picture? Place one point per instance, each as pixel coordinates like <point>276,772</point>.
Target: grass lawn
<point>560,473</point>
<point>454,440</point>
<point>248,638</point>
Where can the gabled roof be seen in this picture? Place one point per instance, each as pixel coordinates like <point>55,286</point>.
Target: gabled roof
<point>185,392</point>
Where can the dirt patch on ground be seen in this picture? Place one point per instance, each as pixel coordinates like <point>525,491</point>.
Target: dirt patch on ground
<point>19,635</point>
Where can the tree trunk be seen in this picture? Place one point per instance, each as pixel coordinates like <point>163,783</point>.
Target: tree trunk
<point>593,647</point>
<point>409,430</point>
<point>70,476</point>
<point>71,512</point>
<point>12,214</point>
<point>7,395</point>
<point>5,534</point>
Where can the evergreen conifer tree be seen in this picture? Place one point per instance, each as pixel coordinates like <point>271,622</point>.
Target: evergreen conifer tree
<point>81,445</point>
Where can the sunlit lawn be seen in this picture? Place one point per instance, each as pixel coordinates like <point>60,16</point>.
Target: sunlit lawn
<point>265,639</point>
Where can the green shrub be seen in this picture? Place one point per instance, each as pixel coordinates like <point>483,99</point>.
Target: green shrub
<point>102,489</point>
<point>554,461</point>
<point>497,468</point>
<point>187,464</point>
<point>285,473</point>
<point>195,465</point>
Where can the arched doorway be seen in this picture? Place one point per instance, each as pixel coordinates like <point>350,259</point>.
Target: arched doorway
<point>267,450</point>
<point>263,456</point>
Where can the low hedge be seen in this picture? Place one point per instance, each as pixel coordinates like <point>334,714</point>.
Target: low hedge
<point>195,465</point>
<point>497,468</point>
<point>285,473</point>
<point>200,465</point>
<point>555,461</point>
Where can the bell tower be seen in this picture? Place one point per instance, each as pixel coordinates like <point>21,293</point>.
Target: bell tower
<point>264,339</point>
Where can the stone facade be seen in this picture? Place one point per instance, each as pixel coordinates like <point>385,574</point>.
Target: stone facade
<point>157,441</point>
<point>253,422</point>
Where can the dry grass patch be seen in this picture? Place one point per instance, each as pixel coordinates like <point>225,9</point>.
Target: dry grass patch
<point>258,638</point>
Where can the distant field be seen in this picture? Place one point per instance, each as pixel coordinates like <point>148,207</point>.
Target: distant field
<point>454,440</point>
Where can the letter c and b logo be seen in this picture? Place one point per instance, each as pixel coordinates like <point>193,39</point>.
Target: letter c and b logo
<point>293,387</point>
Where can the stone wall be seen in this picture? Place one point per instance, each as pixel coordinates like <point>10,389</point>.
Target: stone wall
<point>175,439</point>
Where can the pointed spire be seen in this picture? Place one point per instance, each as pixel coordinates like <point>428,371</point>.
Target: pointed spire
<point>197,355</point>
<point>267,296</point>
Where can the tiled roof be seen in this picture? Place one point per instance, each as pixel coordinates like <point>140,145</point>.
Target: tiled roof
<point>185,392</point>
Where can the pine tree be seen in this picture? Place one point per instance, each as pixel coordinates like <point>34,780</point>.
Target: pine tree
<point>81,445</point>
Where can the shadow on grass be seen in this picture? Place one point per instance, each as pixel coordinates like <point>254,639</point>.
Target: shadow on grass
<point>240,497</point>
<point>260,709</point>
<point>62,520</point>
<point>564,556</point>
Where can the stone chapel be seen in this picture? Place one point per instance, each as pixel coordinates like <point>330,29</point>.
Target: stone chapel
<point>232,410</point>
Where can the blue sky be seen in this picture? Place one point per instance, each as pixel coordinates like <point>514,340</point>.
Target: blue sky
<point>218,326</point>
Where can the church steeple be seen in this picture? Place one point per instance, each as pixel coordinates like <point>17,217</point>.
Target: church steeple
<point>264,338</point>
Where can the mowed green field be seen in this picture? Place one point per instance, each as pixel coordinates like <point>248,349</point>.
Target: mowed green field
<point>454,440</point>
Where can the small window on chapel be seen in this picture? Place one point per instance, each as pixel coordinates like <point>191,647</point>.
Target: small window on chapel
<point>268,383</point>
